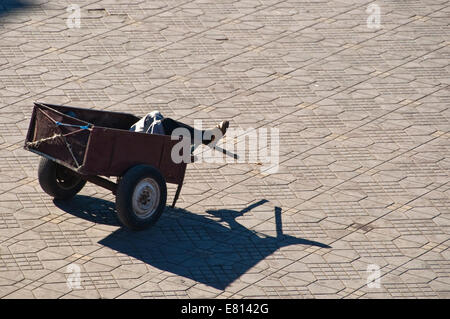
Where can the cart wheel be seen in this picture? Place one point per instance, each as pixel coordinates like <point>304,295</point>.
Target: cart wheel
<point>141,197</point>
<point>59,181</point>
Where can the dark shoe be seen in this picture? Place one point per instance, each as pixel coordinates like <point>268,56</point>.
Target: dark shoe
<point>219,131</point>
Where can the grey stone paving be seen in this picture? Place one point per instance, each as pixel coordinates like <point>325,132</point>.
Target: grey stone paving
<point>363,115</point>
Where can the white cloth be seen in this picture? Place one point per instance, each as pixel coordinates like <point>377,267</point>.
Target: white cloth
<point>151,123</point>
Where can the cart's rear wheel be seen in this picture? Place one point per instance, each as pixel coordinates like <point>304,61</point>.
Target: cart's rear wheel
<point>141,197</point>
<point>59,181</point>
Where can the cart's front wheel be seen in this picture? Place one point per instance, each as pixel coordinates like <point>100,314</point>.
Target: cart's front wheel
<point>59,181</point>
<point>141,197</point>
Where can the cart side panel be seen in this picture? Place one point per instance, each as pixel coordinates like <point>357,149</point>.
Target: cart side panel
<point>112,152</point>
<point>98,154</point>
<point>173,172</point>
<point>136,148</point>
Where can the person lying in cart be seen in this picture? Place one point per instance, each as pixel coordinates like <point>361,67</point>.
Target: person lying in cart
<point>155,123</point>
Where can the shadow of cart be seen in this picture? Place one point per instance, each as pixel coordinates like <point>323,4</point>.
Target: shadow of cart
<point>13,6</point>
<point>213,252</point>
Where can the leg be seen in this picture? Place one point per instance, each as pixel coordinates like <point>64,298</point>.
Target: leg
<point>170,125</point>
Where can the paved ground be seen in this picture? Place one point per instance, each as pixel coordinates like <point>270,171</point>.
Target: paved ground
<point>363,114</point>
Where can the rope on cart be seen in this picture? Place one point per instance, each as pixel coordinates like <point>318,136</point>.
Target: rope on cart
<point>62,135</point>
<point>69,147</point>
<point>46,139</point>
<point>83,127</point>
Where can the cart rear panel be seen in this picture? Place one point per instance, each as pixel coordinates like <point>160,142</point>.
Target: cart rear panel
<point>64,144</point>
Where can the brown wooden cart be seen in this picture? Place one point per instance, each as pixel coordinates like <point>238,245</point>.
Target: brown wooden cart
<point>79,145</point>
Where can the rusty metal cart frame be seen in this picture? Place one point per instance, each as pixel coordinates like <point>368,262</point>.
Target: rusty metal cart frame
<point>93,144</point>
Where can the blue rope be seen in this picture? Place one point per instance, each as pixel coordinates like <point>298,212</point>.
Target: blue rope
<point>83,127</point>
